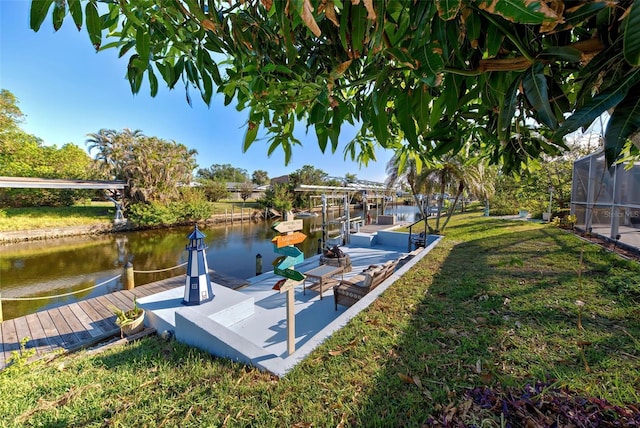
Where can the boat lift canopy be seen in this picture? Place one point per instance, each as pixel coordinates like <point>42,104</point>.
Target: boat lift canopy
<point>55,183</point>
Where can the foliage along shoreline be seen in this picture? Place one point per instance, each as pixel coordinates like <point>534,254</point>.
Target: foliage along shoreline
<point>17,236</point>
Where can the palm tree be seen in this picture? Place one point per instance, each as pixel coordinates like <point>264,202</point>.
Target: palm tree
<point>102,142</point>
<point>406,167</point>
<point>465,172</point>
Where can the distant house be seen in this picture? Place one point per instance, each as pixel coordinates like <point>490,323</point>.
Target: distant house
<point>235,188</point>
<point>283,179</point>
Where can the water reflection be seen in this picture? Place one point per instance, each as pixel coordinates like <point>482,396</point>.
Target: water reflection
<point>57,266</point>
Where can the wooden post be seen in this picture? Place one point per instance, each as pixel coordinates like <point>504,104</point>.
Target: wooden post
<point>288,287</point>
<point>291,322</point>
<point>1,318</point>
<point>129,282</point>
<point>258,264</point>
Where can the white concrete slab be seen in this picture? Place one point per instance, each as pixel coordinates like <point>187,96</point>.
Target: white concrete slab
<point>249,325</point>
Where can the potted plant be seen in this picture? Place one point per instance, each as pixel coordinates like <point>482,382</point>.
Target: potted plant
<point>130,321</point>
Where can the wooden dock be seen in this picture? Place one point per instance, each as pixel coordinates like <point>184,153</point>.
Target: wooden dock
<point>82,324</point>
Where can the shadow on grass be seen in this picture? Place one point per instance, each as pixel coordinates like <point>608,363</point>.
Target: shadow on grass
<point>499,309</point>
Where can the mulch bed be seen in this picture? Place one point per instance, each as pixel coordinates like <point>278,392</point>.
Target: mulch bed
<point>539,405</point>
<point>611,245</point>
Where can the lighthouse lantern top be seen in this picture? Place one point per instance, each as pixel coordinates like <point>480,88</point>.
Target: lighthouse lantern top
<point>196,239</point>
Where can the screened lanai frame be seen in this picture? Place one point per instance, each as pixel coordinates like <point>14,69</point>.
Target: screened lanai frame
<point>606,201</point>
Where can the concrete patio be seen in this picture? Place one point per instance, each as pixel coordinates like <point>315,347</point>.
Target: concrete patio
<point>249,325</point>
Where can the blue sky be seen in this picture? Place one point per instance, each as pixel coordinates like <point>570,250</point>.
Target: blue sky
<point>67,90</point>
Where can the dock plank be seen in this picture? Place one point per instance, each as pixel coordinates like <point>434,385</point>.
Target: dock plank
<point>38,336</point>
<point>120,301</point>
<point>10,338</point>
<point>85,321</point>
<point>66,333</point>
<point>22,332</point>
<point>141,292</point>
<point>128,294</point>
<point>76,326</point>
<point>97,318</point>
<point>107,304</point>
<point>49,328</point>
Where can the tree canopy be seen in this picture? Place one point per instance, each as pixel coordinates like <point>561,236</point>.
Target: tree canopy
<point>402,70</point>
<point>260,177</point>
<point>25,155</point>
<point>153,168</point>
<point>223,172</point>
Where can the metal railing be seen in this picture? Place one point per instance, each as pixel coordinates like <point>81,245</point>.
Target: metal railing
<point>417,241</point>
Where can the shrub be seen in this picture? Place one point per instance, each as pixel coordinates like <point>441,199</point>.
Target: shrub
<point>194,205</point>
<point>152,214</point>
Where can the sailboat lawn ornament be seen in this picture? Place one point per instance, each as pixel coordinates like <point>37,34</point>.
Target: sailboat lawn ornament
<point>197,288</point>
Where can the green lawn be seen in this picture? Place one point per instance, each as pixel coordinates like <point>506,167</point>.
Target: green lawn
<point>491,310</point>
<point>15,219</point>
<point>49,217</point>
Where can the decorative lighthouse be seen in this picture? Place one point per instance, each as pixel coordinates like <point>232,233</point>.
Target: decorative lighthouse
<point>197,288</point>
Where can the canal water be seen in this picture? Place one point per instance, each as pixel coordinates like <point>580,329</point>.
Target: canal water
<point>67,265</point>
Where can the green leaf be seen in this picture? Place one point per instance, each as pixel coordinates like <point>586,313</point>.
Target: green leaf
<point>429,56</point>
<point>597,105</point>
<point>282,69</point>
<point>395,32</point>
<point>94,27</point>
<point>420,104</point>
<point>359,24</point>
<point>215,74</point>
<point>507,110</point>
<point>153,82</point>
<point>448,9</point>
<point>134,74</point>
<point>250,135</point>
<point>166,71</point>
<point>437,109</point>
<point>75,9</point>
<point>581,12</point>
<point>177,72</point>
<point>142,43</point>
<point>494,40</point>
<point>519,11</point>
<point>344,25</point>
<point>379,118</point>
<point>534,83</point>
<point>561,53</point>
<point>207,87</point>
<point>624,122</point>
<point>124,49</point>
<point>473,29</point>
<point>38,13</point>
<point>317,114</point>
<point>405,118</point>
<point>631,41</point>
<point>286,147</point>
<point>59,11</point>
<point>455,90</point>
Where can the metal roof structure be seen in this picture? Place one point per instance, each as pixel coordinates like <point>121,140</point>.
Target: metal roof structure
<point>54,183</point>
<point>351,187</point>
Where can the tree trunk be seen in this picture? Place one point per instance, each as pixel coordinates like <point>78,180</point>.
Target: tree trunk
<point>455,202</point>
